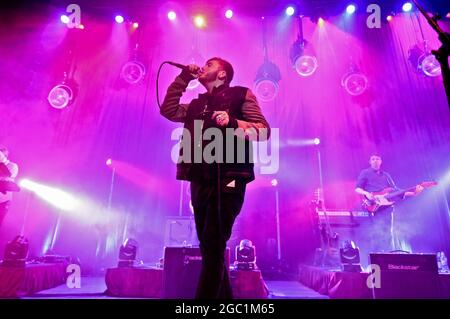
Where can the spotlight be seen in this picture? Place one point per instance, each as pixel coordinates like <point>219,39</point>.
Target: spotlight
<point>199,21</point>
<point>316,141</point>
<point>354,82</point>
<point>320,22</point>
<point>407,6</point>
<point>132,72</point>
<point>60,96</point>
<point>389,18</point>
<point>305,64</point>
<point>229,14</point>
<point>274,182</point>
<point>16,252</point>
<point>171,15</point>
<point>65,19</point>
<point>119,19</point>
<point>266,81</point>
<point>81,26</point>
<point>423,61</point>
<point>349,254</point>
<point>127,253</point>
<point>351,8</point>
<point>429,65</point>
<point>108,162</point>
<point>302,54</point>
<point>135,25</point>
<point>245,255</point>
<point>290,11</point>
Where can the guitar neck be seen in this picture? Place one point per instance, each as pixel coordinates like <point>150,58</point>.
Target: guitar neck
<point>399,192</point>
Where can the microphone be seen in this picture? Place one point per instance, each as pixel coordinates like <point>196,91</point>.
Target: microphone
<point>178,65</point>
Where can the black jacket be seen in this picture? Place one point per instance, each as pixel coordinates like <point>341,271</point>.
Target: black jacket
<point>244,112</point>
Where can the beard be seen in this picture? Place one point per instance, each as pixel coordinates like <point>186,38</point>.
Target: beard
<point>208,77</point>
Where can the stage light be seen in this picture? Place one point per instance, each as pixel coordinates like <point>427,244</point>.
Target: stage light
<point>245,255</point>
<point>108,162</point>
<point>229,14</point>
<point>171,15</point>
<point>54,196</point>
<point>127,253</point>
<point>65,19</point>
<point>351,8</point>
<point>354,82</point>
<point>423,61</point>
<point>290,11</point>
<point>60,96</point>
<point>430,65</point>
<point>81,26</point>
<point>305,63</point>
<point>274,182</point>
<point>407,6</point>
<point>350,260</point>
<point>448,15</point>
<point>389,18</point>
<point>199,21</point>
<point>119,19</point>
<point>132,72</point>
<point>320,22</point>
<point>16,252</point>
<point>316,141</point>
<point>135,25</point>
<point>266,81</point>
<point>302,55</point>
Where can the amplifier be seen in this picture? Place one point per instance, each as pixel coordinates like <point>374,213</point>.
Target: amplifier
<point>182,266</point>
<point>406,276</point>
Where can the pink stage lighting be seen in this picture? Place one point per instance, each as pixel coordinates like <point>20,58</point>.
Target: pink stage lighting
<point>119,19</point>
<point>171,15</point>
<point>199,21</point>
<point>65,19</point>
<point>135,25</point>
<point>108,162</point>
<point>53,196</point>
<point>274,182</point>
<point>229,14</point>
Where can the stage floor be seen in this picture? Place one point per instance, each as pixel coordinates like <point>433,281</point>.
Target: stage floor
<point>95,287</point>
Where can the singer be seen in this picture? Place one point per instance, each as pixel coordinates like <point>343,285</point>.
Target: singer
<point>217,189</point>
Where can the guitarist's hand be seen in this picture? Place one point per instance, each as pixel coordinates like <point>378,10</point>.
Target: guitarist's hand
<point>419,189</point>
<point>369,196</point>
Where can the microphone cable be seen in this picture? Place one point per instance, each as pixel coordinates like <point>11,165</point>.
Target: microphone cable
<point>157,82</point>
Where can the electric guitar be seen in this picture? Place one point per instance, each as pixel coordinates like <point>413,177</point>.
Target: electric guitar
<point>386,196</point>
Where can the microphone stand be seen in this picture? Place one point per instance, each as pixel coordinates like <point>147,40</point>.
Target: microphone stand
<point>443,52</point>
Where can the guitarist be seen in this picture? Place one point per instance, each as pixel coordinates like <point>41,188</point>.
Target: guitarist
<point>374,179</point>
<point>8,172</point>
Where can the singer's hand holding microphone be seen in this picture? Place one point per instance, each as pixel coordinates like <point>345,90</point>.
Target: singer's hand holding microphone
<point>190,71</point>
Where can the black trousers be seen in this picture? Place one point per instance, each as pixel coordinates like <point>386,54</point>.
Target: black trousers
<point>376,234</point>
<point>214,224</point>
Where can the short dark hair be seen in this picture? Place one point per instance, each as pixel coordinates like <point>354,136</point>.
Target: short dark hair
<point>226,66</point>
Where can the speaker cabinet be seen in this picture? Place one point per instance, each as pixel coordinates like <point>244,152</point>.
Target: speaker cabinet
<point>182,266</point>
<point>406,276</point>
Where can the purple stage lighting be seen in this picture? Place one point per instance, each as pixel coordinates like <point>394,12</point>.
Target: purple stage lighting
<point>65,19</point>
<point>119,19</point>
<point>407,6</point>
<point>351,8</point>
<point>290,11</point>
<point>229,14</point>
